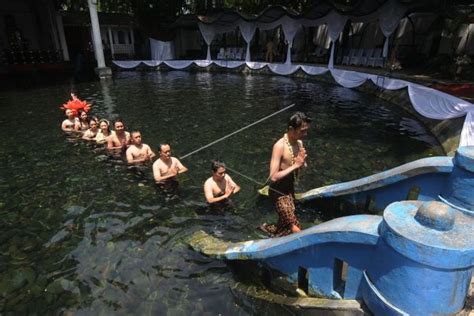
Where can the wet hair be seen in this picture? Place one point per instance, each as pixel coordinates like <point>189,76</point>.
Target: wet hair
<point>119,121</point>
<point>93,119</point>
<point>106,121</point>
<point>297,119</point>
<point>163,144</point>
<point>80,112</point>
<point>216,164</point>
<point>134,131</point>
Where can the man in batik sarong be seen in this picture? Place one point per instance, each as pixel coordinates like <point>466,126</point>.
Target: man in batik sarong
<point>288,156</point>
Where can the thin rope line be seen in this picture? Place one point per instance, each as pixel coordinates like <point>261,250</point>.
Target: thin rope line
<point>253,180</point>
<point>237,131</point>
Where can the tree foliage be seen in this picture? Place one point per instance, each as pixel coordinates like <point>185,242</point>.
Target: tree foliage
<point>173,8</point>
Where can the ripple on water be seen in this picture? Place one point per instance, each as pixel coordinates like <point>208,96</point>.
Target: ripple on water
<point>82,233</point>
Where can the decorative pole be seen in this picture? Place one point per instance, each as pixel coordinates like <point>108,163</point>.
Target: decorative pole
<point>102,70</point>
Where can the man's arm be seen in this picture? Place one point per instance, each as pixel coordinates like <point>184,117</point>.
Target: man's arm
<point>181,168</point>
<point>210,196</point>
<point>157,172</point>
<point>235,186</point>
<point>129,155</point>
<point>277,155</point>
<point>65,128</point>
<point>150,153</point>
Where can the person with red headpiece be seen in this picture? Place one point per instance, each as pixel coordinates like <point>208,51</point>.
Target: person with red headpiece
<point>72,107</point>
<point>71,123</point>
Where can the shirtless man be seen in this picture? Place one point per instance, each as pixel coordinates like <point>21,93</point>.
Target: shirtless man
<point>138,152</point>
<point>71,123</point>
<point>120,139</point>
<point>166,168</point>
<point>288,156</point>
<point>219,187</point>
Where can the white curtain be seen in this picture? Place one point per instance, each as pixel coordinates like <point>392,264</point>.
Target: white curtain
<point>389,17</point>
<point>290,28</point>
<point>208,32</point>
<point>161,50</point>
<point>247,29</point>
<point>336,23</point>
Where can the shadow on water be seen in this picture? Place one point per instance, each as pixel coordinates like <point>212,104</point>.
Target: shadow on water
<point>83,233</point>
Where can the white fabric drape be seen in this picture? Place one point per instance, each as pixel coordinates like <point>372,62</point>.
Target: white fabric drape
<point>208,32</point>
<point>161,50</point>
<point>290,28</point>
<point>439,105</point>
<point>283,69</point>
<point>127,64</point>
<point>314,70</point>
<point>427,101</point>
<point>336,23</point>
<point>229,63</point>
<point>178,64</point>
<point>247,29</point>
<point>389,17</point>
<point>256,65</point>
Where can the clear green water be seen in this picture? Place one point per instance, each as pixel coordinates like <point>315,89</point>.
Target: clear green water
<point>81,233</point>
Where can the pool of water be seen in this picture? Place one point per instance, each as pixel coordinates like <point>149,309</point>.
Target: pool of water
<point>81,233</point>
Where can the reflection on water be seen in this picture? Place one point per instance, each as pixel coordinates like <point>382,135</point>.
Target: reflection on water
<point>81,232</point>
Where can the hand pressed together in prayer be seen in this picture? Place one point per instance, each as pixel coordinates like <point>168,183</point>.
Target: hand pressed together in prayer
<point>300,159</point>
<point>229,189</point>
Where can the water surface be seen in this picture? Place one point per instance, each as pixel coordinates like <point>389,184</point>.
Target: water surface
<point>82,233</point>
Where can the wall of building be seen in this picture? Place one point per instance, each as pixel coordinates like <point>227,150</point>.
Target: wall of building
<point>33,20</point>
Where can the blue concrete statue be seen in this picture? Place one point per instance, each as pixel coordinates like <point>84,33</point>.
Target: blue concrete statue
<point>416,259</point>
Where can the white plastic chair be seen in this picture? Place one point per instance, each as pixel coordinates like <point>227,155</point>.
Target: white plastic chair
<point>346,59</point>
<point>376,60</point>
<point>242,52</point>
<point>365,58</point>
<point>221,53</point>
<point>358,55</point>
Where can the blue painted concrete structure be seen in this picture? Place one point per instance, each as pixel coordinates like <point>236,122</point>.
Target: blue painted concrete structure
<point>428,175</point>
<point>416,259</point>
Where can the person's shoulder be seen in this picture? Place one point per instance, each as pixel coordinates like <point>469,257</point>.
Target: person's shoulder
<point>208,181</point>
<point>158,162</point>
<point>279,143</point>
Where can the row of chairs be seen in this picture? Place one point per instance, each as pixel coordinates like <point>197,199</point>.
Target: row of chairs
<point>233,53</point>
<point>364,57</point>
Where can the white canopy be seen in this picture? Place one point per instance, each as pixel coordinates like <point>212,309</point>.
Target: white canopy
<point>388,16</point>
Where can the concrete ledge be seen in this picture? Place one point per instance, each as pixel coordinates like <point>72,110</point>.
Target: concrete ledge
<point>104,72</point>
<point>297,305</point>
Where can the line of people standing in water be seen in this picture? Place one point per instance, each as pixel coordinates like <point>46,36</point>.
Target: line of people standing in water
<point>217,189</point>
<point>288,157</point>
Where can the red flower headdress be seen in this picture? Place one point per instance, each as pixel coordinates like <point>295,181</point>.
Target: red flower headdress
<point>75,105</point>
